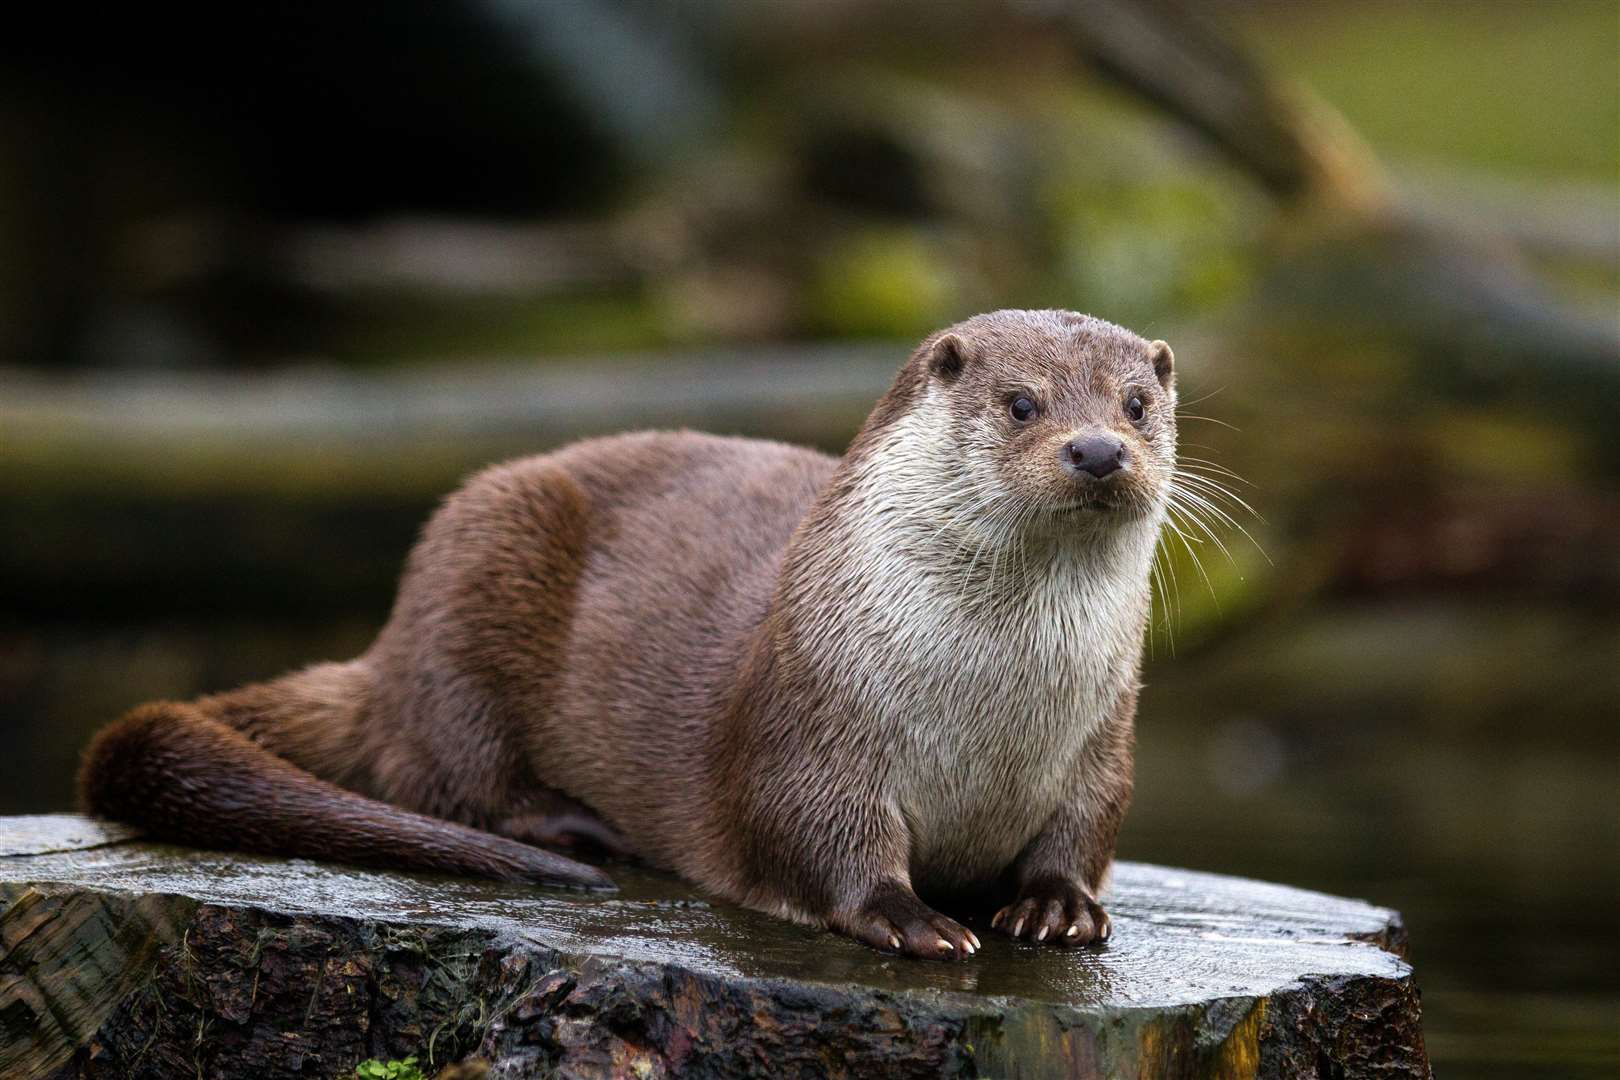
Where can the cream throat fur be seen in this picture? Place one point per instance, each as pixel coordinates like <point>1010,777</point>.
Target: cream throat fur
<point>973,643</point>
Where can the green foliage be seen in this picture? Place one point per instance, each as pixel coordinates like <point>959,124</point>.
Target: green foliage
<point>391,327</point>
<point>1518,88</point>
<point>1137,249</point>
<point>884,282</point>
<point>390,1070</point>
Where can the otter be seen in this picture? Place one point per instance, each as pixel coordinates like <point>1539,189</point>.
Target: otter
<point>822,688</point>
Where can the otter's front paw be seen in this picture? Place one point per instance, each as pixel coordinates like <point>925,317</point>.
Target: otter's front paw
<point>893,919</point>
<point>1056,912</point>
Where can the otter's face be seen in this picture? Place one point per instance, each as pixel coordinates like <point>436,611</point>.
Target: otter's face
<point>1074,418</point>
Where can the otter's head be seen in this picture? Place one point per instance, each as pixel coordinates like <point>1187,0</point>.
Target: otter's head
<point>1057,420</point>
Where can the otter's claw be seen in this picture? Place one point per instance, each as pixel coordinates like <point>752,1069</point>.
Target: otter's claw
<point>893,919</point>
<point>1054,912</point>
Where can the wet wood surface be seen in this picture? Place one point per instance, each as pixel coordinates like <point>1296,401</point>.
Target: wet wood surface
<point>130,959</point>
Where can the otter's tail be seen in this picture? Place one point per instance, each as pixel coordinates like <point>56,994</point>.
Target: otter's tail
<point>200,773</point>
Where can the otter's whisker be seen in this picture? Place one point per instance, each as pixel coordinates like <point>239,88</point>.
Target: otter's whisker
<point>1159,596</point>
<point>1215,490</point>
<point>1208,506</point>
<point>1202,526</point>
<point>1200,400</point>
<point>1212,466</point>
<point>1175,508</point>
<point>1180,416</point>
<point>1213,481</point>
<point>1200,498</point>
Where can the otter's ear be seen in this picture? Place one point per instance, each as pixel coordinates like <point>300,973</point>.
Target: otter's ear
<point>1164,362</point>
<point>948,356</point>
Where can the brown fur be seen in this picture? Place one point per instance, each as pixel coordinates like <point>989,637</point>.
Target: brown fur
<point>616,646</point>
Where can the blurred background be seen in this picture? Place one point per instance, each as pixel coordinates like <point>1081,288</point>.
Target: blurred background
<point>272,281</point>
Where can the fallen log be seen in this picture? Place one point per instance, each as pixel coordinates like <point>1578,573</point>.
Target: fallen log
<point>120,958</point>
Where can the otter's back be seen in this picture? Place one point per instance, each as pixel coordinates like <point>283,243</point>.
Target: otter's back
<point>564,619</point>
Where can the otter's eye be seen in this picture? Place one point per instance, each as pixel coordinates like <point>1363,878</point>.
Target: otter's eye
<point>1021,409</point>
<point>1134,408</point>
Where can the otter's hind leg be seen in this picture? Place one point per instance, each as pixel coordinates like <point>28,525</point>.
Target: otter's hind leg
<point>550,819</point>
<point>468,665</point>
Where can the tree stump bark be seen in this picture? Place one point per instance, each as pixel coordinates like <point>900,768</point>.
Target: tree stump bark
<point>120,958</point>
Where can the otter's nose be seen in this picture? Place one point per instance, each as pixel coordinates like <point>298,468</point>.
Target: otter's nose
<point>1098,455</point>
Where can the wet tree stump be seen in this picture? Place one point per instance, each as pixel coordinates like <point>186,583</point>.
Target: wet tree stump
<point>120,958</point>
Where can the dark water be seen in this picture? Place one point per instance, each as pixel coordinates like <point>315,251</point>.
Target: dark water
<point>1389,752</point>
<point>1401,754</point>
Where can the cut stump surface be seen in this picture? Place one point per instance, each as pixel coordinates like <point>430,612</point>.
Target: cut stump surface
<point>121,958</point>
